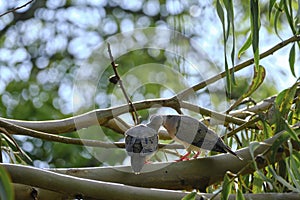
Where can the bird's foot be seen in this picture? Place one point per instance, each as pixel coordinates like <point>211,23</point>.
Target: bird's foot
<point>195,156</point>
<point>184,157</point>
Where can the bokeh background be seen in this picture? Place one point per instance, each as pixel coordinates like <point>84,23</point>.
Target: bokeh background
<point>44,45</point>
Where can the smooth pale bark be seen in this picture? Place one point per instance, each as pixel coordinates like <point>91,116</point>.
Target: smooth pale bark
<point>185,175</point>
<point>24,192</point>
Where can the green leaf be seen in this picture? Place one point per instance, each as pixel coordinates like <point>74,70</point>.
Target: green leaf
<point>292,133</point>
<point>246,46</point>
<point>239,195</point>
<point>230,18</point>
<point>279,141</point>
<point>278,12</point>
<point>285,99</point>
<point>255,25</point>
<point>257,184</point>
<point>292,166</point>
<point>6,188</point>
<point>190,196</point>
<point>292,60</point>
<point>282,180</point>
<point>271,4</point>
<point>226,187</point>
<point>220,13</point>
<point>258,79</point>
<point>287,7</point>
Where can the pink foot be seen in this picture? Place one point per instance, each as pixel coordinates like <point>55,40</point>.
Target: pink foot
<point>184,157</point>
<point>196,155</point>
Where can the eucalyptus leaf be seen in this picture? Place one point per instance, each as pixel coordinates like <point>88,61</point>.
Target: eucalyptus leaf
<point>226,187</point>
<point>292,60</point>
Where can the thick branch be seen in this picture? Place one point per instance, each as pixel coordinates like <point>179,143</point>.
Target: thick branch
<point>102,117</point>
<point>24,192</point>
<point>200,174</point>
<point>15,129</point>
<point>73,186</point>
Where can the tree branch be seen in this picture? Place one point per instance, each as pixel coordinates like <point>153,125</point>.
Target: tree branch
<point>73,186</point>
<point>102,116</point>
<point>10,128</point>
<point>236,68</point>
<point>17,8</point>
<point>201,172</point>
<point>24,192</point>
<point>116,79</point>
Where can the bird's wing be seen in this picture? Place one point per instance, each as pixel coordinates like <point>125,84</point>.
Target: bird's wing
<point>193,134</point>
<point>140,142</point>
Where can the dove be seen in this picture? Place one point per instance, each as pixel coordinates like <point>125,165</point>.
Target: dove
<point>141,142</point>
<point>193,134</point>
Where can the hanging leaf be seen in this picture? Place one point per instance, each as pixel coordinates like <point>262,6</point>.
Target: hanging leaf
<point>282,180</point>
<point>258,79</point>
<point>292,133</point>
<point>230,18</point>
<point>257,184</point>
<point>246,46</point>
<point>255,25</point>
<point>239,195</point>
<point>226,187</point>
<point>278,12</point>
<point>292,166</point>
<point>6,188</point>
<point>285,99</point>
<point>292,60</point>
<point>271,4</point>
<point>221,13</point>
<point>225,38</point>
<point>287,7</point>
<point>279,142</point>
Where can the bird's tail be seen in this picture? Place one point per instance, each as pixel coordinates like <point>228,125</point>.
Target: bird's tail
<point>233,153</point>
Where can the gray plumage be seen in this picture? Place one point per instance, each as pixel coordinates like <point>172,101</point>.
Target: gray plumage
<point>194,135</point>
<point>141,142</point>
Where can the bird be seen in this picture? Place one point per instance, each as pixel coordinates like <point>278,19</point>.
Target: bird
<point>141,142</point>
<point>193,134</point>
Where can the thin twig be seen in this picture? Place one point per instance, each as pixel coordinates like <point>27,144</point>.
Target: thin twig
<point>236,68</point>
<point>14,143</point>
<point>118,80</point>
<point>242,127</point>
<point>223,118</point>
<point>9,128</point>
<point>17,8</point>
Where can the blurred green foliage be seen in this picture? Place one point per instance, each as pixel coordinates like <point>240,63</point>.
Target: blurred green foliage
<point>44,46</point>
